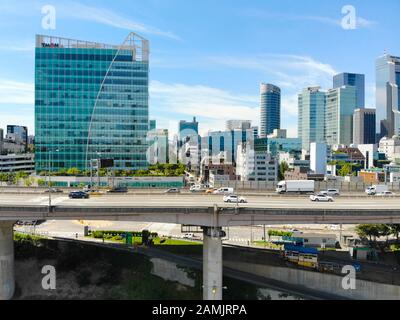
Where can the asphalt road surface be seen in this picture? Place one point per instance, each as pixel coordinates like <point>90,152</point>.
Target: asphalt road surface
<point>131,200</point>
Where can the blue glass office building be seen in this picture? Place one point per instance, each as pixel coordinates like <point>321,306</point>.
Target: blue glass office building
<point>270,109</point>
<point>91,102</point>
<point>353,80</point>
<point>311,120</point>
<point>387,96</point>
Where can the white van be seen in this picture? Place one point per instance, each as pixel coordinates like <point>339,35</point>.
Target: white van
<point>224,191</point>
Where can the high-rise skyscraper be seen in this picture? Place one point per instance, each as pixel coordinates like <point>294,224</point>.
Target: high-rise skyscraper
<point>270,109</point>
<point>187,131</point>
<point>18,134</point>
<point>388,96</point>
<point>91,102</point>
<point>158,151</point>
<point>311,121</point>
<point>340,105</point>
<point>364,126</point>
<point>354,80</point>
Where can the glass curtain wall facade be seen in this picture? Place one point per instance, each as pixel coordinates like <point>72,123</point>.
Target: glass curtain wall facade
<point>352,80</point>
<point>387,96</point>
<point>91,102</point>
<point>364,126</point>
<point>340,106</point>
<point>270,109</point>
<point>311,120</point>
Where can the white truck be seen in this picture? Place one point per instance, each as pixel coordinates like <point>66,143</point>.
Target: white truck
<point>296,186</point>
<point>374,190</point>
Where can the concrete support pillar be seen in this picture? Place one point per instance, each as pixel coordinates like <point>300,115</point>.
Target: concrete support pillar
<point>212,264</point>
<point>7,280</point>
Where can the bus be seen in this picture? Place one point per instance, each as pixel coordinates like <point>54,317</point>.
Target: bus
<point>304,257</point>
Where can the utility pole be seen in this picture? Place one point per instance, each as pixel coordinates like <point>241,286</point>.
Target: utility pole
<point>49,174</point>
<point>265,237</point>
<point>91,173</point>
<point>48,178</point>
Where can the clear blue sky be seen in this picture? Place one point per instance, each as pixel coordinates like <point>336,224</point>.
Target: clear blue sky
<point>207,57</point>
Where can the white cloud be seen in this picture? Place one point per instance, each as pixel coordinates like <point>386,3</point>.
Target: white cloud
<point>108,17</point>
<point>14,92</point>
<point>288,71</point>
<point>211,105</point>
<point>21,46</point>
<point>337,22</point>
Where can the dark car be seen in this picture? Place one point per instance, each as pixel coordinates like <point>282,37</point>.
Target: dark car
<point>78,195</point>
<point>118,190</point>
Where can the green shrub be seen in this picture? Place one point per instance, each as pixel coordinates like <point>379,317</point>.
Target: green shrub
<point>98,234</point>
<point>277,233</point>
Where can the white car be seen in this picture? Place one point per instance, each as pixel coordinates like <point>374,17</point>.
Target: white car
<point>226,191</point>
<point>331,192</point>
<point>234,199</point>
<point>321,198</point>
<point>385,194</point>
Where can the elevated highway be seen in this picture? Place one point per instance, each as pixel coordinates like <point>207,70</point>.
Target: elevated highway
<point>201,210</point>
<point>209,212</point>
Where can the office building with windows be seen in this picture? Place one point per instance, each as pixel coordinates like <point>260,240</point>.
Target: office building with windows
<point>311,120</point>
<point>91,102</point>
<point>238,125</point>
<point>387,96</point>
<point>158,150</point>
<point>340,105</point>
<point>364,126</point>
<point>226,142</point>
<point>18,134</point>
<point>270,109</point>
<point>255,165</point>
<point>188,131</point>
<point>352,80</point>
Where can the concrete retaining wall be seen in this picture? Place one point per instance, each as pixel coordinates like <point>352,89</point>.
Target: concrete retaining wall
<point>332,284</point>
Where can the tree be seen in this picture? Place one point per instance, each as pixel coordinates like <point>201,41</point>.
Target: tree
<point>346,170</point>
<point>283,167</point>
<point>73,172</point>
<point>28,182</point>
<point>395,230</point>
<point>369,231</point>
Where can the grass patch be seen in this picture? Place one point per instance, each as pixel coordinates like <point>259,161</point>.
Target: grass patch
<point>268,245</point>
<point>156,241</point>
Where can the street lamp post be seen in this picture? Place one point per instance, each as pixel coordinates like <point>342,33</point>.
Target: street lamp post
<point>98,168</point>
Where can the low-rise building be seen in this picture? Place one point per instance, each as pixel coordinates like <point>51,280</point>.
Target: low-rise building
<point>17,162</point>
<point>302,173</point>
<point>216,179</point>
<point>218,169</point>
<point>372,176</point>
<point>390,147</point>
<point>253,165</point>
<point>317,240</point>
